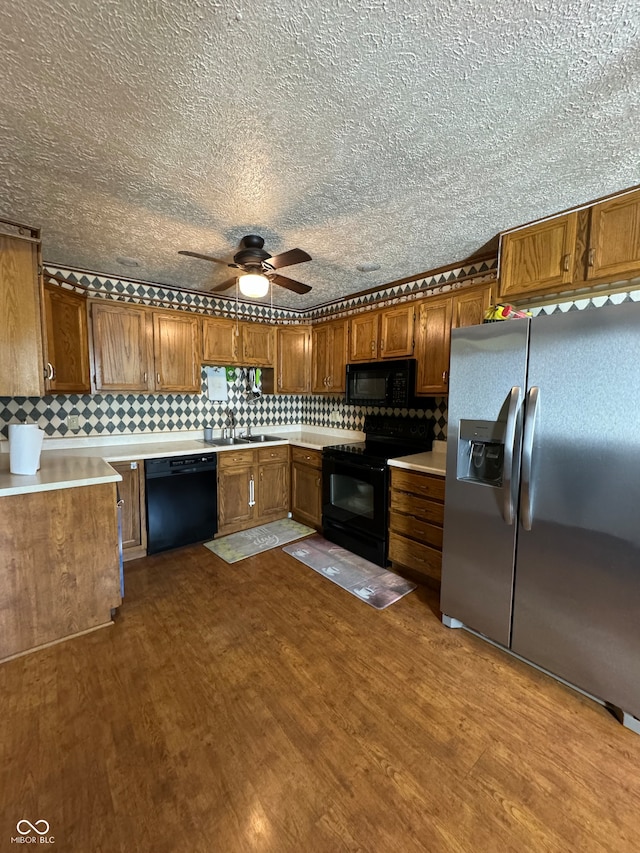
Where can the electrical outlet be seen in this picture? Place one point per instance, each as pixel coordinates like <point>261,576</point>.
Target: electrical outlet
<point>335,417</point>
<point>73,422</point>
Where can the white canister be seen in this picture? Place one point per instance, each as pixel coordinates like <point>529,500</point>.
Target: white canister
<point>25,446</point>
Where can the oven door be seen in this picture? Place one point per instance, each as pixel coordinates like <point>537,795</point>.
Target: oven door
<point>354,506</point>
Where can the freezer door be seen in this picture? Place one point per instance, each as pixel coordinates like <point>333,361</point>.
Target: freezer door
<point>486,389</point>
<point>577,582</point>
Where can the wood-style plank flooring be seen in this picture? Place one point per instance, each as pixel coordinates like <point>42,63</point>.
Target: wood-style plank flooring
<point>258,707</point>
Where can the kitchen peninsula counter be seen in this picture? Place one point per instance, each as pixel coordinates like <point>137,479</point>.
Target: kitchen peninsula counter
<point>434,462</point>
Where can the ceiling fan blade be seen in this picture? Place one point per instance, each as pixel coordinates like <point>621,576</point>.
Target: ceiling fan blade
<point>230,282</point>
<point>290,284</point>
<point>203,257</point>
<point>287,259</point>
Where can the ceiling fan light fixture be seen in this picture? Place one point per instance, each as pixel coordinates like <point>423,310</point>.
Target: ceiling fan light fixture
<point>254,285</point>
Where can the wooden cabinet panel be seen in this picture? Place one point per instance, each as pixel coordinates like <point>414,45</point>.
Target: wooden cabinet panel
<point>60,576</point>
<point>538,258</point>
<point>433,338</point>
<point>232,458</point>
<point>256,344</point>
<point>132,513</point>
<point>396,332</point>
<point>122,347</point>
<point>306,494</point>
<point>273,490</point>
<point>420,558</point>
<point>416,483</point>
<point>235,511</point>
<point>294,360</point>
<point>614,244</point>
<point>329,357</point>
<point>67,341</point>
<point>363,337</point>
<point>470,308</point>
<point>416,507</point>
<point>280,453</point>
<point>306,457</point>
<point>220,340</point>
<point>21,329</point>
<point>415,528</point>
<point>176,340</point>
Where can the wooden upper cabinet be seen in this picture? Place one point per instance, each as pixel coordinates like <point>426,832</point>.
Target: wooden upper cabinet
<point>363,336</point>
<point>396,332</point>
<point>256,344</point>
<point>21,329</point>
<point>470,308</point>
<point>540,257</point>
<point>329,357</point>
<point>294,360</point>
<point>67,341</point>
<point>614,239</point>
<point>433,337</point>
<point>220,340</point>
<point>122,347</point>
<point>176,342</point>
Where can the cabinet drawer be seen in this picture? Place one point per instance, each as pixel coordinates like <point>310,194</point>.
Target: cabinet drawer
<point>422,509</point>
<point>421,558</point>
<point>407,525</point>
<point>306,457</point>
<point>274,454</point>
<point>418,484</point>
<point>229,458</point>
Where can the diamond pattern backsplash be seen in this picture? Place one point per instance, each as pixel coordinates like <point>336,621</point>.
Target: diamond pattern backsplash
<point>130,413</point>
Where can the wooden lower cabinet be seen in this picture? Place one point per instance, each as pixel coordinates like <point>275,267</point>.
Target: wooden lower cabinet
<point>415,524</point>
<point>306,486</point>
<point>59,565</point>
<point>132,511</point>
<point>253,487</point>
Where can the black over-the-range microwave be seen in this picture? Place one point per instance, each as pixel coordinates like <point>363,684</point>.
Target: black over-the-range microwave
<point>384,383</point>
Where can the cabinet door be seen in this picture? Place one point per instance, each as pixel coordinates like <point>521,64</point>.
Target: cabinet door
<point>256,344</point>
<point>273,490</point>
<point>433,343</point>
<point>363,337</point>
<point>306,494</point>
<point>614,244</point>
<point>538,258</point>
<point>219,341</point>
<point>294,360</point>
<point>320,347</point>
<point>469,309</point>
<point>396,332</point>
<point>21,356</point>
<point>235,510</point>
<point>67,341</point>
<point>337,356</point>
<point>122,347</point>
<point>131,491</point>
<point>176,341</point>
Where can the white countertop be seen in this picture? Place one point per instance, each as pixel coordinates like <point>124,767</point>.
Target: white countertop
<point>434,462</point>
<point>70,462</point>
<point>57,471</point>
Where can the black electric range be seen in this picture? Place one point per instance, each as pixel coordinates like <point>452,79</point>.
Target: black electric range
<point>355,483</point>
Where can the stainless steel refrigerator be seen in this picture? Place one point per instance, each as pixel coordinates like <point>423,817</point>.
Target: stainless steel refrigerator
<point>541,549</point>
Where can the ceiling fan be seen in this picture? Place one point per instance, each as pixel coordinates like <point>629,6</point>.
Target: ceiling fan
<point>259,267</point>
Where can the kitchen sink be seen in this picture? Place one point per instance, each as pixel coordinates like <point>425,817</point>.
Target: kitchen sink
<point>227,442</point>
<point>263,437</point>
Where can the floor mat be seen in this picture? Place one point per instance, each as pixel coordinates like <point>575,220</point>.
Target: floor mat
<point>247,543</point>
<point>368,582</point>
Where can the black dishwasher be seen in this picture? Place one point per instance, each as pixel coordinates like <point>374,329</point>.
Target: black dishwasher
<point>181,499</point>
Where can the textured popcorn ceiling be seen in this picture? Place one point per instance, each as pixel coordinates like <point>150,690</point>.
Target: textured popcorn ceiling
<point>405,134</point>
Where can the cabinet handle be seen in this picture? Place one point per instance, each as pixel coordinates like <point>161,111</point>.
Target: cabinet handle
<point>445,376</point>
<point>51,371</point>
<point>120,503</point>
<point>262,473</point>
<point>158,378</point>
<point>317,481</point>
<point>566,260</point>
<point>144,376</point>
<point>373,346</point>
<point>382,344</point>
<point>592,257</point>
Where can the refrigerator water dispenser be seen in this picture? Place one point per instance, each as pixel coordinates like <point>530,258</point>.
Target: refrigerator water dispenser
<point>481,452</point>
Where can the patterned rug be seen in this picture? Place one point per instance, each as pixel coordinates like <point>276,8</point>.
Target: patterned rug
<point>247,543</point>
<point>368,582</point>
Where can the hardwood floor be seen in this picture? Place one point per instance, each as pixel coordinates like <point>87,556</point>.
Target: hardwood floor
<point>258,707</point>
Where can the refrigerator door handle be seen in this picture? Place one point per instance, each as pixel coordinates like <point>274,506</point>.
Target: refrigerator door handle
<point>527,453</point>
<point>508,508</point>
